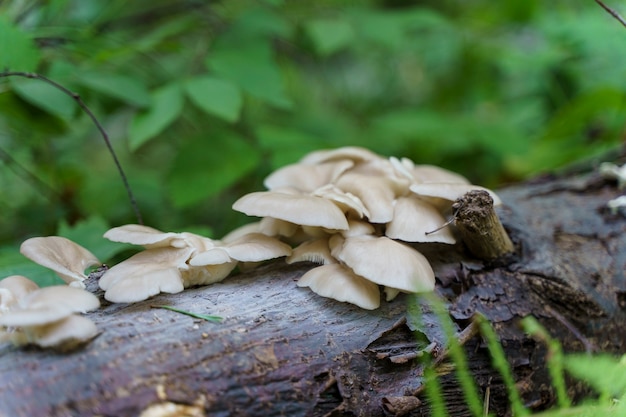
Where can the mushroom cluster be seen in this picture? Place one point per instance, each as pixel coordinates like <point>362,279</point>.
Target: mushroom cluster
<point>45,317</point>
<point>172,261</point>
<point>355,213</point>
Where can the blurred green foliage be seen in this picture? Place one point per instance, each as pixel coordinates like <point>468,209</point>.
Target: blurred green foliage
<point>203,99</point>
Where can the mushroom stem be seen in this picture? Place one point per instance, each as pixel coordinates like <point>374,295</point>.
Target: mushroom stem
<point>480,226</point>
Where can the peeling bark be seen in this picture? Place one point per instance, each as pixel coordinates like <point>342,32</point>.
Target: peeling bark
<point>282,350</point>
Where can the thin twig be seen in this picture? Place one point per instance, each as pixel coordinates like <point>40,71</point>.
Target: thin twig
<point>83,106</point>
<point>612,12</point>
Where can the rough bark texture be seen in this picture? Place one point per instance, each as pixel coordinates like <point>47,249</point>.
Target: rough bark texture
<point>282,350</point>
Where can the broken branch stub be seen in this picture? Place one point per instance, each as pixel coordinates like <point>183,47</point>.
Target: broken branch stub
<point>480,227</point>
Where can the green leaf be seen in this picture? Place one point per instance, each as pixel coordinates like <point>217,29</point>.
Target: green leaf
<point>45,96</point>
<point>606,374</point>
<point>122,87</point>
<point>329,36</point>
<point>167,104</point>
<point>19,52</point>
<point>88,233</point>
<point>188,313</point>
<point>287,145</point>
<point>215,96</point>
<point>206,166</point>
<point>250,65</point>
<point>12,262</point>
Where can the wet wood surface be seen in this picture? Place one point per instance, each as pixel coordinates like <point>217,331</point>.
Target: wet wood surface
<point>282,350</point>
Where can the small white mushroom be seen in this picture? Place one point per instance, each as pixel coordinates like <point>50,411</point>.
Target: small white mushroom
<point>339,283</point>
<point>12,289</point>
<point>449,191</point>
<point>307,177</point>
<point>45,317</point>
<point>347,202</point>
<point>146,274</point>
<point>64,334</point>
<point>315,250</point>
<point>353,153</point>
<point>252,247</point>
<point>385,262</point>
<point>306,210</point>
<point>68,259</point>
<point>150,238</point>
<point>414,219</point>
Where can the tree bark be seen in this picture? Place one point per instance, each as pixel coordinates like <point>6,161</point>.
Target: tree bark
<point>282,350</point>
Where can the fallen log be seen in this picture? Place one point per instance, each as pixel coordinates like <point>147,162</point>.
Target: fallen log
<point>282,350</point>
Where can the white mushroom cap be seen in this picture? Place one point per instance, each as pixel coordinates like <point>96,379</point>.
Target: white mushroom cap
<point>137,234</point>
<point>376,192</point>
<point>206,274</point>
<point>14,288</point>
<point>49,304</point>
<point>307,177</point>
<point>254,227</point>
<point>146,274</point>
<point>449,191</point>
<point>339,283</point>
<point>413,218</point>
<point>347,202</point>
<point>358,228</point>
<point>306,210</point>
<point>431,173</point>
<point>252,247</point>
<point>276,227</point>
<point>315,250</point>
<point>68,259</point>
<point>62,334</point>
<point>255,247</point>
<point>385,262</point>
<point>353,153</point>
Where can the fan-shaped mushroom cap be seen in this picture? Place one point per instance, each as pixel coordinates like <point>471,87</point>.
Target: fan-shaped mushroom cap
<point>353,153</point>
<point>307,177</point>
<point>449,191</point>
<point>255,247</point>
<point>49,304</point>
<point>377,193</point>
<point>63,334</point>
<point>358,228</point>
<point>431,173</point>
<point>68,259</point>
<point>305,210</point>
<point>146,274</point>
<point>276,227</point>
<point>315,250</point>
<point>385,262</point>
<point>339,283</point>
<point>137,234</point>
<point>12,289</point>
<point>252,247</point>
<point>206,274</point>
<point>254,227</point>
<point>347,202</point>
<point>414,218</point>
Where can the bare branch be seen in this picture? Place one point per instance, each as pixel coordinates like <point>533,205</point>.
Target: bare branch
<point>612,12</point>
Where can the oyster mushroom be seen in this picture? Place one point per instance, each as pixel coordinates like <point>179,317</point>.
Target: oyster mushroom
<point>413,221</point>
<point>12,289</point>
<point>301,209</point>
<point>340,283</point>
<point>46,317</point>
<point>68,259</point>
<point>385,262</point>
